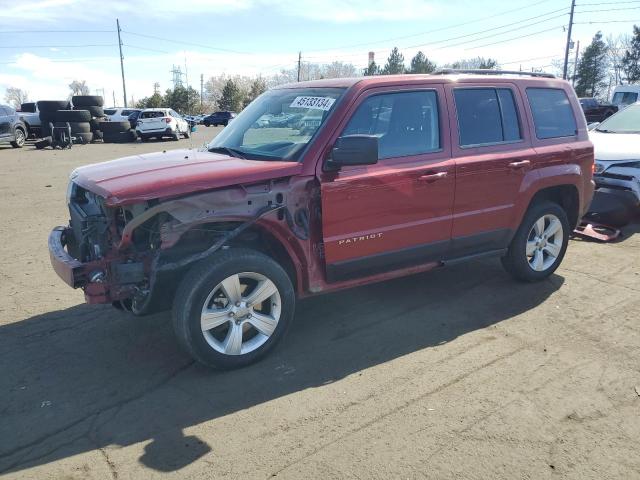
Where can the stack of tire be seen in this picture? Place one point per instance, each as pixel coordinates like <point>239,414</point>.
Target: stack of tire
<point>93,104</point>
<point>78,121</point>
<point>117,132</point>
<point>48,109</point>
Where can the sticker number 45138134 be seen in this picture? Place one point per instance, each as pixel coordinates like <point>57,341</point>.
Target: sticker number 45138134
<point>316,103</point>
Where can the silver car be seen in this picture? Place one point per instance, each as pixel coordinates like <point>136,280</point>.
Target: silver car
<point>617,151</point>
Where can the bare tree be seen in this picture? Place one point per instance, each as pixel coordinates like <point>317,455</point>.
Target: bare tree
<point>78,87</point>
<point>616,48</point>
<point>15,97</point>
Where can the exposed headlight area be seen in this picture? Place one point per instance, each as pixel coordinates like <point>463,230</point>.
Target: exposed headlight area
<point>599,168</point>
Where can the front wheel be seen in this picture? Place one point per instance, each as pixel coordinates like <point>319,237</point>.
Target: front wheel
<point>233,308</point>
<point>20,139</point>
<point>539,245</point>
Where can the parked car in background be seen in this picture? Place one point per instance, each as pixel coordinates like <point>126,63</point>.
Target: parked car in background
<point>624,95</point>
<point>119,114</point>
<point>12,129</point>
<point>595,111</point>
<point>617,152</point>
<point>393,176</point>
<point>30,115</point>
<point>161,122</point>
<point>218,118</point>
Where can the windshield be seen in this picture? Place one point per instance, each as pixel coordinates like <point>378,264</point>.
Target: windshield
<point>279,124</point>
<point>624,98</point>
<point>625,121</point>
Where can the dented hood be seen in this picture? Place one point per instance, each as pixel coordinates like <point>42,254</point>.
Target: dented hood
<point>172,173</point>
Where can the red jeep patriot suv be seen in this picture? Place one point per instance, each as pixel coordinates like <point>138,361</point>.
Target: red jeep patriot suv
<point>360,180</point>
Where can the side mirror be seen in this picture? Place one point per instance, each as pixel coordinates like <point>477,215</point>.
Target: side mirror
<point>353,150</point>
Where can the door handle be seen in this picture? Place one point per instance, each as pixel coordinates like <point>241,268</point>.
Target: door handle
<point>521,164</point>
<point>432,177</point>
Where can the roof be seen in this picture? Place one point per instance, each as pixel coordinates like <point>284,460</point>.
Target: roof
<point>404,79</point>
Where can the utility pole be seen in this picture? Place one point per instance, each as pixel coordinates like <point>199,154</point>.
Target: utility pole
<point>299,64</point>
<point>575,64</point>
<point>113,93</point>
<point>124,87</point>
<point>201,90</point>
<point>566,51</point>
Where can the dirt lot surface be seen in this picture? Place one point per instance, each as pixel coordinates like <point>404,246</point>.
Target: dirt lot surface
<point>458,373</point>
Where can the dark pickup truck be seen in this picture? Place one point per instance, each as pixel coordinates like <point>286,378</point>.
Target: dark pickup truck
<point>594,111</point>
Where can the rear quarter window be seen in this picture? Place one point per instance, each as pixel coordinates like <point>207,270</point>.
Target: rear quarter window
<point>552,113</point>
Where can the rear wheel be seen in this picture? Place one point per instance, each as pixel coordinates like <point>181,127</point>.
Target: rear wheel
<point>539,245</point>
<point>20,138</point>
<point>232,309</point>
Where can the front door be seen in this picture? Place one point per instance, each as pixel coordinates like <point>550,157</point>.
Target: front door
<point>5,125</point>
<point>396,213</point>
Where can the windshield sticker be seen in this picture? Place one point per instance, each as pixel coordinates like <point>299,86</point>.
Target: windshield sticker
<point>316,103</point>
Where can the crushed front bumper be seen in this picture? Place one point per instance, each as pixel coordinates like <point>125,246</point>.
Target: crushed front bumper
<point>88,276</point>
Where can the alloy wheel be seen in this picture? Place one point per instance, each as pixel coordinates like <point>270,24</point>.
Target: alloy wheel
<point>544,242</point>
<point>241,313</point>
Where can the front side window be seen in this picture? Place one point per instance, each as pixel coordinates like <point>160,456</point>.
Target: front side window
<point>405,123</point>
<point>486,116</point>
<point>552,113</point>
<point>278,125</point>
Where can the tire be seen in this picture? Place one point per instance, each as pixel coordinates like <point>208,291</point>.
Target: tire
<point>20,138</point>
<point>97,135</point>
<point>52,106</point>
<point>45,142</point>
<point>115,127</point>
<point>87,101</point>
<point>546,252</point>
<point>73,116</point>
<point>46,119</point>
<point>143,138</point>
<point>207,124</point>
<point>76,127</point>
<point>204,280</point>
<point>83,137</point>
<point>93,110</point>
<point>176,136</point>
<point>119,137</point>
<point>94,124</point>
<point>187,133</point>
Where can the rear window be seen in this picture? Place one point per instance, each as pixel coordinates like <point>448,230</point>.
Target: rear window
<point>552,113</point>
<point>153,114</point>
<point>486,116</point>
<point>110,111</point>
<point>126,113</point>
<point>624,98</point>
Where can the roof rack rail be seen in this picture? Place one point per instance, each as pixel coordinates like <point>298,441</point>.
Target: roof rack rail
<point>485,71</point>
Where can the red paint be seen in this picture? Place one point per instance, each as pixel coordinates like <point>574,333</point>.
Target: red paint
<point>395,204</point>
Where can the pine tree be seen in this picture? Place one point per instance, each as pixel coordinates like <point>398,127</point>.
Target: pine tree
<point>631,59</point>
<point>231,98</point>
<point>395,63</point>
<point>421,64</point>
<point>258,87</point>
<point>372,69</point>
<point>592,69</point>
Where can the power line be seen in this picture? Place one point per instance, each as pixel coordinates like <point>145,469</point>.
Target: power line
<point>429,32</point>
<point>608,10</point>
<point>170,40</point>
<point>60,46</point>
<point>607,21</point>
<point>144,48</point>
<point>55,31</point>
<point>606,3</point>
<point>516,38</point>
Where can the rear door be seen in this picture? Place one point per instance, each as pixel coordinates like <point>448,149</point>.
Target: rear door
<point>153,120</point>
<point>492,151</point>
<point>396,213</point>
<point>5,122</point>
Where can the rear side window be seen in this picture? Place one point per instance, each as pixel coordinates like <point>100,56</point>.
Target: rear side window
<point>152,114</point>
<point>486,116</point>
<point>405,123</point>
<point>552,113</point>
<point>110,111</point>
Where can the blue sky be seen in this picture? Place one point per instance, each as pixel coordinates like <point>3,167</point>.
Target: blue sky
<point>251,37</point>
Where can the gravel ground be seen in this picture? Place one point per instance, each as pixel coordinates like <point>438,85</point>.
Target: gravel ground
<point>457,373</point>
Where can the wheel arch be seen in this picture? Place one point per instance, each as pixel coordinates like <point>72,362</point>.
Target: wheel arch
<point>566,195</point>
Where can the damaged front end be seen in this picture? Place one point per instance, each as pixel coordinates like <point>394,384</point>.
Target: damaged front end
<point>123,254</point>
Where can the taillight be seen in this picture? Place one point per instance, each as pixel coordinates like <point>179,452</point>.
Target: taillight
<point>167,119</point>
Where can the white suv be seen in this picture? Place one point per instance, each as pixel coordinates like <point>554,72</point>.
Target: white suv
<point>161,122</point>
<point>119,114</point>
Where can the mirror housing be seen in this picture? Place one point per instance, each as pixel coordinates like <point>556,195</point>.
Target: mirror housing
<point>353,150</point>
